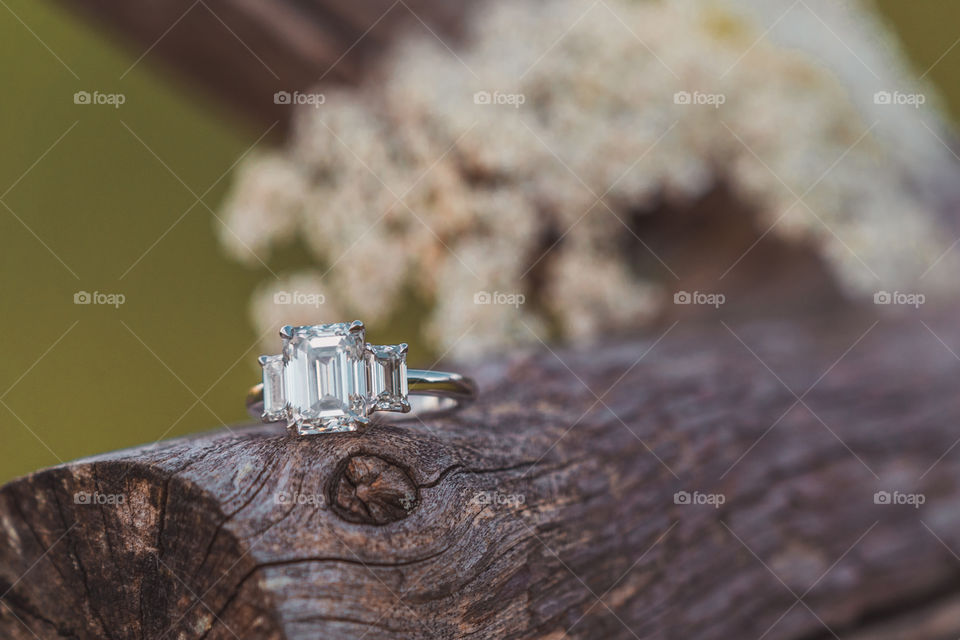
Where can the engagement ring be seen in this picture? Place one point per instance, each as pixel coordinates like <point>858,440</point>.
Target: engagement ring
<point>328,378</point>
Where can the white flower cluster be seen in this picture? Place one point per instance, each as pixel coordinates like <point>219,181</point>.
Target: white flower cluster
<point>518,166</point>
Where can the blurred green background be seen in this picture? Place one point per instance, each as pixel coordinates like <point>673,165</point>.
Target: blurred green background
<point>102,199</point>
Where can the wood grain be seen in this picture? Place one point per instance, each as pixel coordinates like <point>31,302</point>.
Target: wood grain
<point>548,508</point>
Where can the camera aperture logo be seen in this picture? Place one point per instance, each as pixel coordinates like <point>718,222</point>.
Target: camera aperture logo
<point>499,98</point>
<point>299,298</point>
<point>899,498</point>
<point>914,100</point>
<point>699,297</point>
<point>299,98</point>
<point>97,498</point>
<point>499,297</point>
<point>699,98</point>
<point>899,298</point>
<point>291,499</point>
<point>111,99</point>
<point>697,498</point>
<point>110,299</point>
<point>497,499</point>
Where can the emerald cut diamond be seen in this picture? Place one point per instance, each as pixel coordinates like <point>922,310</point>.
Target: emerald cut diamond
<point>329,379</point>
<point>324,377</point>
<point>387,370</point>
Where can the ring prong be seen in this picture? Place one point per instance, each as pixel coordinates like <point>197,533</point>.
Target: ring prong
<point>286,331</point>
<point>402,347</point>
<point>263,360</point>
<point>356,326</point>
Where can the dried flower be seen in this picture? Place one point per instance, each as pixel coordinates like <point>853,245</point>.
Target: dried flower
<point>509,169</point>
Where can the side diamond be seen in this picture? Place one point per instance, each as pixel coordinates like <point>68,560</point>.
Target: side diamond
<point>274,398</point>
<point>387,377</point>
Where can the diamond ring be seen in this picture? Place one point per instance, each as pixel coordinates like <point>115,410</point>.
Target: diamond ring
<point>328,378</point>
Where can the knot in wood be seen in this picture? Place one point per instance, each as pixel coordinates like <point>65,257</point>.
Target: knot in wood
<point>370,490</point>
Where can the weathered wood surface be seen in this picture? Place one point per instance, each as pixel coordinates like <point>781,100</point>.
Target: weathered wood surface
<point>244,51</point>
<point>254,534</point>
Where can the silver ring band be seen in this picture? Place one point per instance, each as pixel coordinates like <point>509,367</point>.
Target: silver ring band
<point>431,393</point>
<point>328,378</point>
